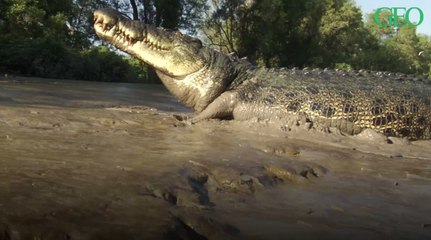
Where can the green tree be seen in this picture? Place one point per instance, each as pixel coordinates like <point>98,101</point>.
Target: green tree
<point>65,20</point>
<point>288,33</point>
<point>341,28</point>
<point>222,24</point>
<point>30,19</point>
<point>398,49</point>
<point>406,46</point>
<point>385,31</point>
<point>424,46</point>
<point>180,14</point>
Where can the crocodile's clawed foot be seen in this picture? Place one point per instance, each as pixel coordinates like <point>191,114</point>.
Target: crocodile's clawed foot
<point>195,120</point>
<point>189,122</point>
<point>185,119</point>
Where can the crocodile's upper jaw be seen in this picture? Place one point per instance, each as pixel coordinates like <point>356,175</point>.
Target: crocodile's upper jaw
<point>169,52</point>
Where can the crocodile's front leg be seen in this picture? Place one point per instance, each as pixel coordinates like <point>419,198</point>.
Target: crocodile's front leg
<point>221,107</point>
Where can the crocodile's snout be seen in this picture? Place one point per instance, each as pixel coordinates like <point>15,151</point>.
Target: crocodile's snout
<point>106,18</point>
<point>123,32</point>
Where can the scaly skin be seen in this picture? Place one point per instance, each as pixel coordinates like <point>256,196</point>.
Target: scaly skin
<point>221,86</point>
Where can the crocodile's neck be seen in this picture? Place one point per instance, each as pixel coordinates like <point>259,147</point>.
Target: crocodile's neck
<point>200,88</point>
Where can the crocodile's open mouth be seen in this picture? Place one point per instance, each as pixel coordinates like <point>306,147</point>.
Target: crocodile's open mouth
<point>126,33</point>
<point>168,51</point>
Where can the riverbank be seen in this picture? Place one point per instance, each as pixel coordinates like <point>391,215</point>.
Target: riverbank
<point>88,160</point>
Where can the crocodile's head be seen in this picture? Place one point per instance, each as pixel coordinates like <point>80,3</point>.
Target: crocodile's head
<point>196,75</point>
<point>169,52</point>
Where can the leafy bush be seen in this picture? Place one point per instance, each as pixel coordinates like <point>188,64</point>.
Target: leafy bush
<point>343,66</point>
<point>39,57</point>
<point>47,57</point>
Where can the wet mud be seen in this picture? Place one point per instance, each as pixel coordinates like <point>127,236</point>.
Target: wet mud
<point>81,160</point>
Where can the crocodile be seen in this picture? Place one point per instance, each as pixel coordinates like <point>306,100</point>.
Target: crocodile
<point>218,85</point>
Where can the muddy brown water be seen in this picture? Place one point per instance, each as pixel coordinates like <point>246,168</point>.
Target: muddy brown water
<point>81,160</point>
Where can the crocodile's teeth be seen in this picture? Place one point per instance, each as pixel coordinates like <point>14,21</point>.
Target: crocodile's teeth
<point>150,39</point>
<point>98,20</point>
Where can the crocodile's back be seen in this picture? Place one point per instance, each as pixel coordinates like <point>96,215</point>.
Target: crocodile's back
<point>393,104</point>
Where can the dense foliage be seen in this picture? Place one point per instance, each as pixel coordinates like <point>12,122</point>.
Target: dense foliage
<point>55,38</point>
<point>314,33</point>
